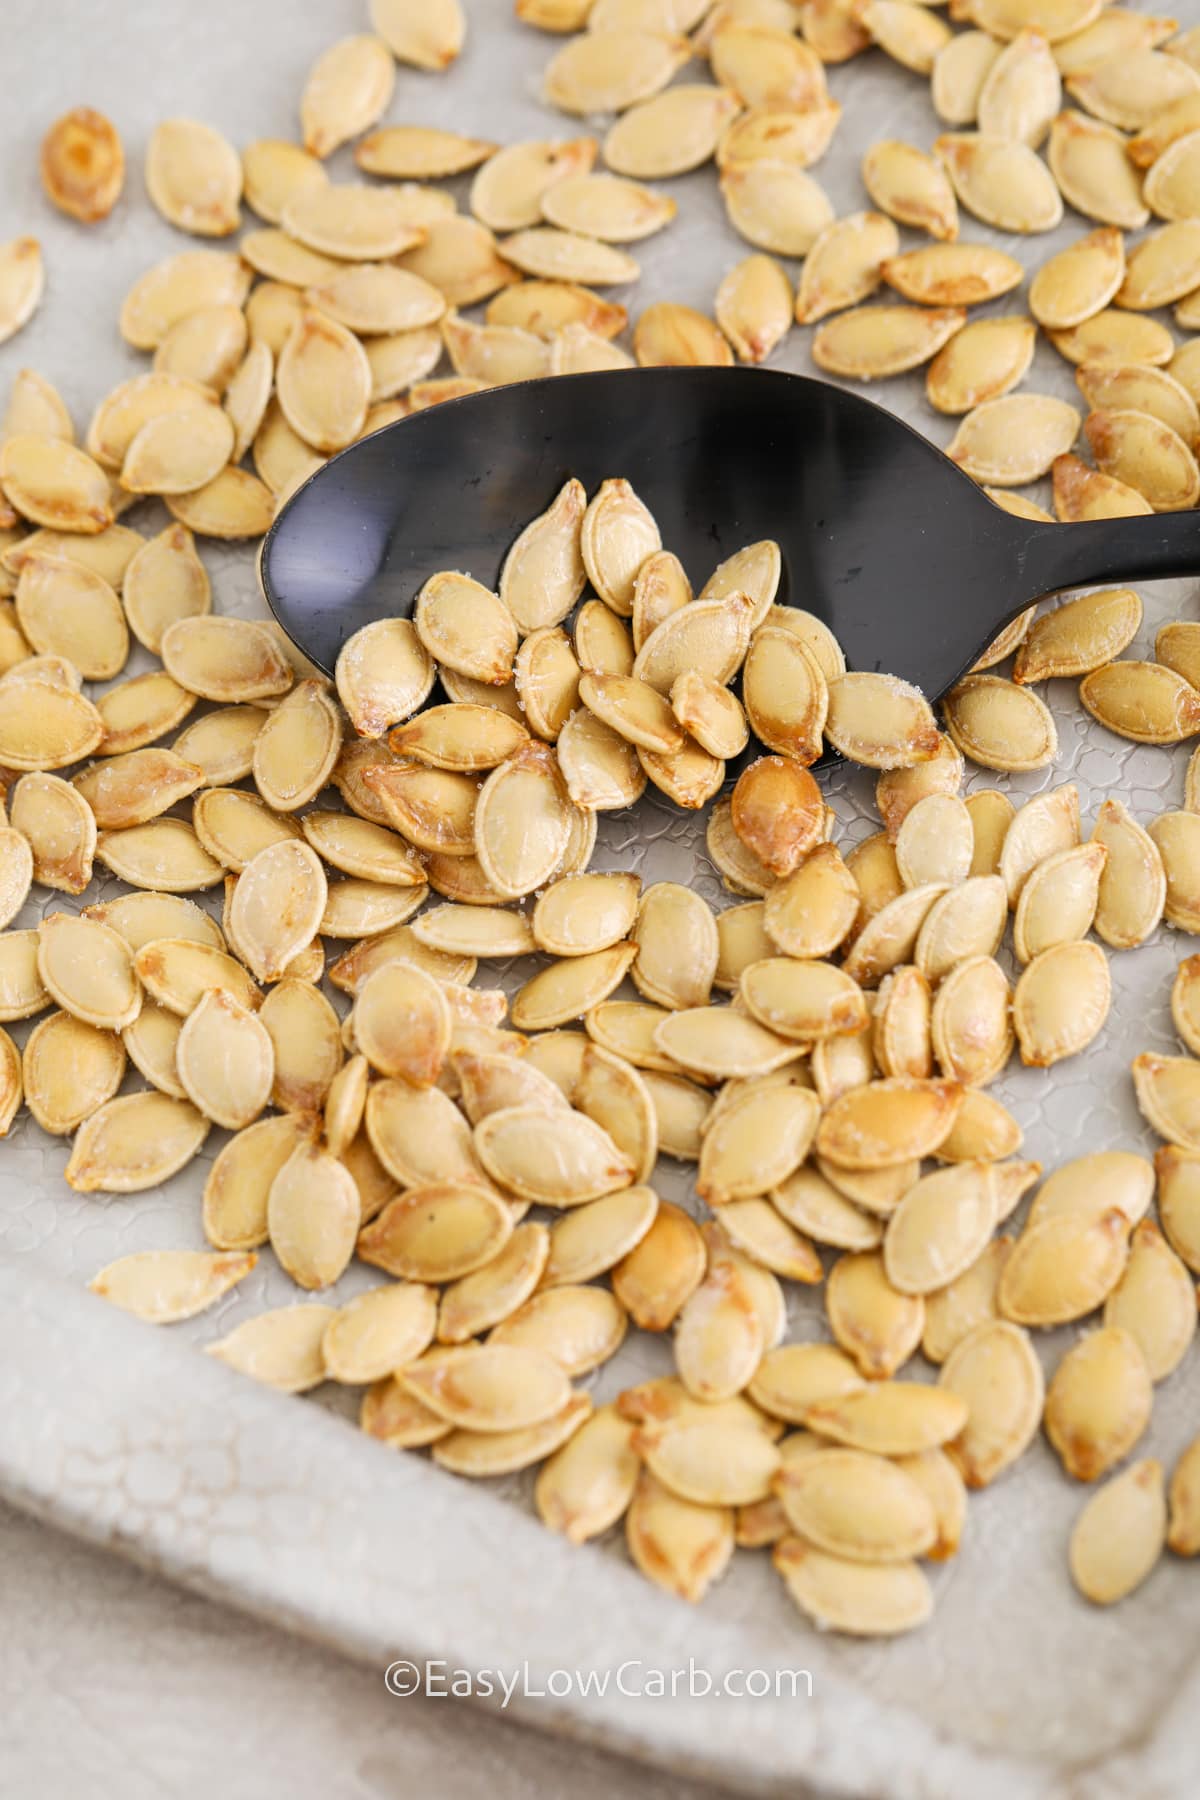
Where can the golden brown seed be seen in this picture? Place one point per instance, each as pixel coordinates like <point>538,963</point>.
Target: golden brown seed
<point>1098,1403</point>
<point>1119,1535</point>
<point>1014,440</point>
<point>1147,455</point>
<point>1094,175</point>
<point>999,725</point>
<point>996,1371</point>
<point>1168,1096</point>
<point>83,164</point>
<point>877,1326</point>
<point>347,90</point>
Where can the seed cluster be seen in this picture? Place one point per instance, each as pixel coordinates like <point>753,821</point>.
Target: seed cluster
<point>820,1051</point>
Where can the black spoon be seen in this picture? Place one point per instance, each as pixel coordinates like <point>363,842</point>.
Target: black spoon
<point>908,562</point>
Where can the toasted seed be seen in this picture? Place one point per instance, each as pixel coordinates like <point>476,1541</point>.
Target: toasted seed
<point>941,1227</point>
<point>898,790</point>
<point>1014,440</point>
<point>960,70</point>
<point>1061,1001</point>
<point>234,826</point>
<point>951,274</point>
<point>282,1348</point>
<point>542,1155</point>
<point>1022,92</point>
<point>402,1023</point>
<point>21,991</point>
<point>225,1061</point>
<point>754,307</point>
<point>1001,181</point>
<point>720,1042</point>
<point>876,1325</point>
<point>305,1033</point>
<point>194,177</point>
<point>21,283</point>
<point>1155,1301</point>
<point>1167,1092</point>
<point>53,839</point>
<point>429,36</point>
<point>777,812</point>
<point>133,1143</point>
<point>971,1033</point>
<point>991,815</point>
<point>855,1505</point>
<point>437,1233</point>
<point>1063,1267</point>
<point>1058,902</point>
<point>999,725</point>
<point>608,71</point>
<point>1147,83</point>
<point>580,1327</point>
<point>889,935</point>
<point>178,972</point>
<point>141,918</point>
<point>1178,843</point>
<point>654,1279</point>
<point>296,748</point>
<point>1119,1535</point>
<point>760,1139</point>
<point>815,1207</point>
<point>51,483</point>
<point>968,1301</point>
<point>1163,267</point>
<point>1098,1402</point>
<point>1170,186</point>
<point>994,1369</point>
<point>795,1377</point>
<point>89,970</point>
<point>273,171</point>
<point>715,1464</point>
<point>419,152</point>
<point>67,610</point>
<point>804,1001</point>
<point>347,90</point>
<point>1094,175</point>
<point>164,1286</point>
<point>481,1453</point>
<point>844,264</point>
<point>935,841</point>
<point>177,286</point>
<point>233,505</point>
<point>909,34</point>
<point>384,673</point>
<point>224,659</point>
<point>811,911</point>
<point>83,164</point>
<point>880,721</point>
<point>1078,282</point>
<point>888,1122</point>
<point>277,907</point>
<point>677,1544</point>
<point>889,1418</point>
<point>521,822</point>
<point>1101,1182</point>
<point>719,1336</point>
<point>379,1331</point>
<point>68,1071</point>
<point>669,133</point>
<point>1079,636</point>
<point>861,1599</point>
<point>323,381</point>
<point>1145,454</point>
<point>870,342</point>
<point>1138,387</point>
<point>587,1484</point>
<point>1184,1536</point>
<point>775,205</point>
<point>492,1387</point>
<point>1044,825</point>
<point>911,187</point>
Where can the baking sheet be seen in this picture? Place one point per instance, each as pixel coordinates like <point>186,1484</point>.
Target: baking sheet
<point>123,1434</point>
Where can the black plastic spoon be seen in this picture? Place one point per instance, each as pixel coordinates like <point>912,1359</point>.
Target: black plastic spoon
<point>909,563</point>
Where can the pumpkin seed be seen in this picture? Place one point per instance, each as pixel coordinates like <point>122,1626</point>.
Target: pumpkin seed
<point>1101,1182</point>
<point>995,1371</point>
<point>436,1233</point>
<point>296,748</point>
<point>68,1071</point>
<point>1183,1537</point>
<point>277,907</point>
<point>888,1122</point>
<point>1021,93</point>
<point>587,1484</point>
<point>504,1453</point>
<point>1079,636</point>
<point>880,720</point>
<point>719,1336</point>
<point>1170,186</point>
<point>194,177</point>
<point>754,307</point>
<point>1146,454</point>
<point>679,1545</point>
<point>941,1227</point>
<point>1079,281</point>
<point>426,36</point>
<point>88,969</point>
<point>347,90</point>
<point>965,1303</point>
<point>855,1505</point>
<point>655,1279</point>
<point>898,790</point>
<point>759,1140</point>
<point>971,1034</point>
<point>1166,1092</point>
<point>999,725</point>
<point>580,1327</point>
<point>556,1160</point>
<point>1154,1301</point>
<point>991,815</point>
<point>225,1061</point>
<point>133,1143</point>
<point>1094,175</point>
<point>877,1326</point>
<point>384,673</point>
<point>889,1418</point>
<point>492,1387</point>
<point>164,1286</point>
<point>862,1599</point>
<point>870,342</point>
<point>1014,440</point>
<point>952,274</point>
<point>1149,82</point>
<point>323,380</point>
<point>1177,842</point>
<point>889,936</point>
<point>1000,181</point>
<point>1064,1266</point>
<point>52,841</point>
<point>1119,1535</point>
<point>935,841</point>
<point>83,164</point>
<point>282,1348</point>
<point>671,132</point>
<point>911,187</point>
<point>1044,825</point>
<point>1058,902</point>
<point>1098,1402</point>
<point>21,991</point>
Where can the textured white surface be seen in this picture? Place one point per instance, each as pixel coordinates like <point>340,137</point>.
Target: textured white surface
<point>127,1436</point>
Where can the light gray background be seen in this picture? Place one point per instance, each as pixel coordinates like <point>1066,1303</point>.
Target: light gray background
<point>109,1680</point>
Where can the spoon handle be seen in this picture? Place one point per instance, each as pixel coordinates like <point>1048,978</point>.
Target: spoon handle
<point>1102,550</point>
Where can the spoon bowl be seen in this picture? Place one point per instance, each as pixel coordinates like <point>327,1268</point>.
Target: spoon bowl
<point>903,556</point>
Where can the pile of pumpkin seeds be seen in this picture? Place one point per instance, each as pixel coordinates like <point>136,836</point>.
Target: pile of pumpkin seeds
<point>821,1049</point>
